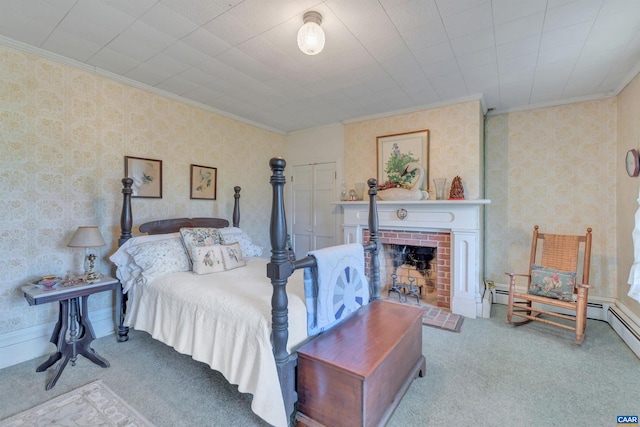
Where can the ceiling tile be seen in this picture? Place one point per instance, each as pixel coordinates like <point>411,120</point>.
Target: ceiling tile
<point>379,54</point>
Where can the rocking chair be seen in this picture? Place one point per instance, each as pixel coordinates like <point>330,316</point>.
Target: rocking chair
<point>553,270</point>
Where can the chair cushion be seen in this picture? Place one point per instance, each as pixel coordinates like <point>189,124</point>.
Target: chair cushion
<point>552,283</point>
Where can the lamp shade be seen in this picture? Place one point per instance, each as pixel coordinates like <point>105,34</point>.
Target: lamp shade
<point>310,36</point>
<point>86,237</point>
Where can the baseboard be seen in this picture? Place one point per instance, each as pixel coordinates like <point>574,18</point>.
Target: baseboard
<point>626,324</point>
<point>28,343</point>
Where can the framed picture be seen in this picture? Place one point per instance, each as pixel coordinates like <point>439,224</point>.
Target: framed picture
<point>203,182</point>
<point>397,152</point>
<point>146,175</point>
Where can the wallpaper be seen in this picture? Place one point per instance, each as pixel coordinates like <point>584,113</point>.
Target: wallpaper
<point>628,188</point>
<point>554,167</point>
<point>455,144</point>
<point>64,134</point>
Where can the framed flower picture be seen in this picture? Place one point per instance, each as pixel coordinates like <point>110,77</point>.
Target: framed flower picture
<point>203,182</point>
<point>395,152</point>
<point>146,175</point>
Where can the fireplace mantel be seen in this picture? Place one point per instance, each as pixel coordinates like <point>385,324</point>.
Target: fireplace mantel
<point>461,218</point>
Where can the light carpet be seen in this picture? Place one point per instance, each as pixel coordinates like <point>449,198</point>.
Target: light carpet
<point>94,404</point>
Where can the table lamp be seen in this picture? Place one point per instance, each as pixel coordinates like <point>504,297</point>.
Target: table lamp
<point>88,237</point>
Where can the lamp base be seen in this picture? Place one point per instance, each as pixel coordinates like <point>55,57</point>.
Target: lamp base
<point>92,277</point>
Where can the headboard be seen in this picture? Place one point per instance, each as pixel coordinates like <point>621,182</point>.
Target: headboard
<point>175,224</point>
<point>169,225</point>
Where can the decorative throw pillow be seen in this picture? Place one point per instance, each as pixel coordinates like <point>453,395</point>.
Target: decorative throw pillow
<point>232,256</point>
<point>199,236</point>
<point>235,234</point>
<point>160,257</point>
<point>552,283</point>
<point>207,259</point>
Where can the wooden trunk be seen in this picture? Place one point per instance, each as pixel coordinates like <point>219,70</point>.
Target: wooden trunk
<point>356,373</point>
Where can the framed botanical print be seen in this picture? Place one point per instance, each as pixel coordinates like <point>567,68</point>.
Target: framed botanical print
<point>395,152</point>
<point>203,182</point>
<point>146,175</point>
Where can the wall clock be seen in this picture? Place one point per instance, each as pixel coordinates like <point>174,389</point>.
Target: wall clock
<point>633,162</point>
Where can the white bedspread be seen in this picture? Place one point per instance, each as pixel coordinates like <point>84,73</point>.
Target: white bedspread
<point>226,324</point>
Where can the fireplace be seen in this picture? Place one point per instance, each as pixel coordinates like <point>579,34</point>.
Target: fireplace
<point>453,227</point>
<point>419,259</point>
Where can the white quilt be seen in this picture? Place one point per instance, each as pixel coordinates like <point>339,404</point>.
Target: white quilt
<point>223,319</point>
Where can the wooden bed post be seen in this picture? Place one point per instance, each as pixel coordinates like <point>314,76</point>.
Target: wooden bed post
<point>278,270</point>
<point>126,219</point>
<point>374,240</point>
<point>126,224</point>
<point>236,206</point>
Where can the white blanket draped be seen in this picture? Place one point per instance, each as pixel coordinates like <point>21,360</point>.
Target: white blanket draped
<point>224,323</point>
<point>336,288</point>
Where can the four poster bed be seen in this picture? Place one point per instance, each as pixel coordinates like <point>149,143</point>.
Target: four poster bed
<point>247,325</point>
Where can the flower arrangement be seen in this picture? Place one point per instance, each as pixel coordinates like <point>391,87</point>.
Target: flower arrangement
<point>395,169</point>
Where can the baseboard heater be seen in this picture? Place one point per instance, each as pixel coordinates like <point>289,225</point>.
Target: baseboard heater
<point>626,328</point>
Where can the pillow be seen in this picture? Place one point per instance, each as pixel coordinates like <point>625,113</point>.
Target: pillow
<point>552,283</point>
<point>127,271</point>
<point>235,234</point>
<point>207,259</point>
<point>160,257</point>
<point>199,236</point>
<point>232,256</point>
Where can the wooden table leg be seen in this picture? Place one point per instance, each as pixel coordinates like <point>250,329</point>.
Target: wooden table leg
<point>58,337</point>
<point>88,335</point>
<point>79,343</point>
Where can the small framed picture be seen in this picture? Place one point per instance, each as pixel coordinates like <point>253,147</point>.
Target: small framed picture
<point>146,175</point>
<point>203,182</point>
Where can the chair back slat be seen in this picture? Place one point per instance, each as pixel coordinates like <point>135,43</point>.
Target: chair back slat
<point>560,252</point>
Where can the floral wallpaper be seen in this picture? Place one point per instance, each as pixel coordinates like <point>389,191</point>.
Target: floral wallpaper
<point>455,145</point>
<point>554,167</point>
<point>64,134</point>
<point>628,187</point>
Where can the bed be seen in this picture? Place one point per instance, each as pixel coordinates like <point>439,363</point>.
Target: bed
<point>247,325</point>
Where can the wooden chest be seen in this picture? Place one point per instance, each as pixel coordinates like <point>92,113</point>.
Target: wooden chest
<point>356,373</point>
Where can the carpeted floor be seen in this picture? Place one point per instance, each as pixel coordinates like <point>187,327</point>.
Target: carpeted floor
<point>489,374</point>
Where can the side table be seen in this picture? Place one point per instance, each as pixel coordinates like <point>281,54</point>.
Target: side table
<point>72,318</point>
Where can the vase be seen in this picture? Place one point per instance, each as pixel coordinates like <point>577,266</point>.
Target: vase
<point>440,184</point>
<point>360,190</point>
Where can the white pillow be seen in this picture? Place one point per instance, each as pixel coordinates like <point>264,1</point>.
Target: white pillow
<point>160,257</point>
<point>235,234</point>
<point>127,271</point>
<point>207,259</point>
<point>232,256</point>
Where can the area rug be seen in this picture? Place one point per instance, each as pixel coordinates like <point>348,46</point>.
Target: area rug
<point>434,316</point>
<point>91,405</point>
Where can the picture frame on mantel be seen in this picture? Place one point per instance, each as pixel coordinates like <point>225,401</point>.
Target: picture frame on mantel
<point>413,144</point>
<point>203,182</point>
<point>146,175</point>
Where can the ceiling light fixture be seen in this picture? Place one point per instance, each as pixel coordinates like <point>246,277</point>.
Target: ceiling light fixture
<point>310,35</point>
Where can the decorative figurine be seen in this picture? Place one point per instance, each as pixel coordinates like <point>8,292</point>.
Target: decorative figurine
<point>457,191</point>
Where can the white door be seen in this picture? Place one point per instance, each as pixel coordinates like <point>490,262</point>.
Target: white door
<point>313,216</point>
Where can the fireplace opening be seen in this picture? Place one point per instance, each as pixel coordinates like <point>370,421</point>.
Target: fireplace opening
<point>429,265</point>
<point>410,273</point>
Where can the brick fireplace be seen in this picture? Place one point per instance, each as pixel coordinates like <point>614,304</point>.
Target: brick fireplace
<point>439,269</point>
<point>452,226</point>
